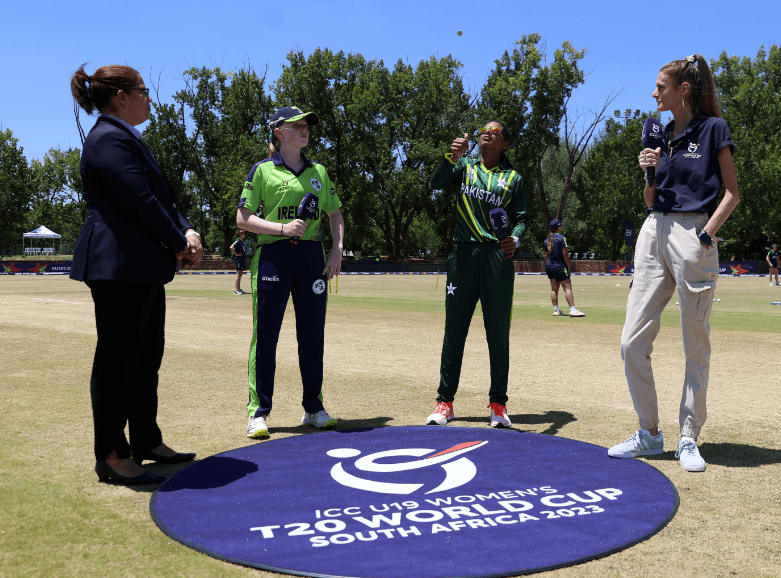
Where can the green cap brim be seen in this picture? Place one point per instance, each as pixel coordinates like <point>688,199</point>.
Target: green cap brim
<point>311,118</point>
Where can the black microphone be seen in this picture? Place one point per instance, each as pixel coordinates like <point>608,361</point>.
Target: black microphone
<point>307,209</point>
<point>653,138</point>
<point>500,222</point>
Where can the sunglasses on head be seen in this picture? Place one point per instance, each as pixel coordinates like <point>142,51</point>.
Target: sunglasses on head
<point>490,130</point>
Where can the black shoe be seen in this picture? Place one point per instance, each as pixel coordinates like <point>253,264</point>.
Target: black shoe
<point>106,473</point>
<point>177,458</point>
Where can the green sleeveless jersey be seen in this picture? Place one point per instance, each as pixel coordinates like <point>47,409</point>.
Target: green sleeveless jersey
<point>273,192</point>
<point>483,189</point>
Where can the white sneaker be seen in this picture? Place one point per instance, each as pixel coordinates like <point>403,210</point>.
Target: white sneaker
<point>257,428</point>
<point>499,416</point>
<point>443,413</point>
<point>691,461</point>
<point>557,313</point>
<point>320,419</point>
<point>576,313</point>
<point>640,443</point>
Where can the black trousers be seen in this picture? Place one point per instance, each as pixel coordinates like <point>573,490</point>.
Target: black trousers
<point>130,321</point>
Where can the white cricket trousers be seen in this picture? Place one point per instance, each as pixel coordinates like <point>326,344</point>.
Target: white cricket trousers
<point>669,254</point>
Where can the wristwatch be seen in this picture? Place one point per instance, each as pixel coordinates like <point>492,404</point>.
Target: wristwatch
<point>705,238</point>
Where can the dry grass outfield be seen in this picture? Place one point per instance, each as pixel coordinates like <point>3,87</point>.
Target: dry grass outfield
<point>384,337</point>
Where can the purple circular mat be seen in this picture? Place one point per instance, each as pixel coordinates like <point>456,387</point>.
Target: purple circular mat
<point>414,502</point>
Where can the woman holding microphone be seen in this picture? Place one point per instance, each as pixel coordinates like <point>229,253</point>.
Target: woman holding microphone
<point>289,260</point>
<point>676,247</point>
<point>480,265</point>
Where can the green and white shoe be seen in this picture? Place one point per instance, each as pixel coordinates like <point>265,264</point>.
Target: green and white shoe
<point>257,428</point>
<point>320,420</point>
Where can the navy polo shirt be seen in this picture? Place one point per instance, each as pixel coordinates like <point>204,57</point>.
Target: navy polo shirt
<point>688,175</point>
<point>556,259</point>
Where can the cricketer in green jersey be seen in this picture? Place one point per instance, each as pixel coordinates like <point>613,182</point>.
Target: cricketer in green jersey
<point>289,262</point>
<point>480,265</point>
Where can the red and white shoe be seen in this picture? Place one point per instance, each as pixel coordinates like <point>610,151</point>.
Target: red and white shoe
<point>499,416</point>
<point>442,414</point>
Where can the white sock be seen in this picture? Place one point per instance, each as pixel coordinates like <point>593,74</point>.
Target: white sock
<point>556,308</point>
<point>573,308</point>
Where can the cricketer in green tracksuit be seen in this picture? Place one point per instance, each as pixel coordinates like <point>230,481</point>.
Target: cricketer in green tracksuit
<point>480,265</point>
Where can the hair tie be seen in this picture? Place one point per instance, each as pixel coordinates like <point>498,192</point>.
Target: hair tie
<point>691,58</point>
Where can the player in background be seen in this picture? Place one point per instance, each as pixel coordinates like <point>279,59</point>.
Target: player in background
<point>289,260</point>
<point>558,267</point>
<point>239,256</point>
<point>772,261</point>
<point>676,247</point>
<point>480,266</point>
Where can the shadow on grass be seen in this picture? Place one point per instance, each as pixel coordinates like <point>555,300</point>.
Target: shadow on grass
<point>212,472</point>
<point>730,455</point>
<point>218,471</point>
<point>556,419</point>
<point>344,424</point>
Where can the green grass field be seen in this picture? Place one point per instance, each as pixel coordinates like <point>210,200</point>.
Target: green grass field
<point>383,341</point>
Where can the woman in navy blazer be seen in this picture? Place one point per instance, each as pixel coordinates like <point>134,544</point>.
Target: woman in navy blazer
<point>126,252</point>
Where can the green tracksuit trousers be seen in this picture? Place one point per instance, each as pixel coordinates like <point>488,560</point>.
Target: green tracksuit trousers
<point>477,271</point>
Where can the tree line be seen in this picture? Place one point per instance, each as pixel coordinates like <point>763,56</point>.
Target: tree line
<point>383,131</point>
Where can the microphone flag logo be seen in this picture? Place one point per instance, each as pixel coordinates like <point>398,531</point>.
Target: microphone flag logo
<point>308,207</point>
<point>500,222</point>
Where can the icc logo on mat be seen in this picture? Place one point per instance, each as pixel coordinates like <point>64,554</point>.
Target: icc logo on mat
<point>458,470</point>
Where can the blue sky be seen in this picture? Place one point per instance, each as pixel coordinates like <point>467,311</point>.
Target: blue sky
<point>44,42</point>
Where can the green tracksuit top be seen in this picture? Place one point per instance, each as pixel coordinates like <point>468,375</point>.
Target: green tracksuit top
<point>482,190</point>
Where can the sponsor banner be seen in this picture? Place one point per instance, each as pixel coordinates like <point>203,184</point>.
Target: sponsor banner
<point>742,268</point>
<point>621,269</point>
<point>35,268</point>
<point>414,502</point>
<point>738,268</point>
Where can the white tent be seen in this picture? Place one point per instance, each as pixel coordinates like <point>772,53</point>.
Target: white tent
<point>42,233</point>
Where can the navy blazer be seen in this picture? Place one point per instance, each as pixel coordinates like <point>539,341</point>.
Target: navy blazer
<point>133,230</point>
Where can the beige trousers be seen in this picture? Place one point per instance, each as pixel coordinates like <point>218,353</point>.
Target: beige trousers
<point>669,254</point>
